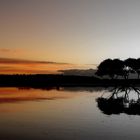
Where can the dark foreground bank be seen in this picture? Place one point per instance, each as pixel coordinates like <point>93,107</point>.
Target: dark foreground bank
<point>41,80</point>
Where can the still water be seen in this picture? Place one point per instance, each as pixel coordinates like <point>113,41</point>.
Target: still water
<point>64,114</point>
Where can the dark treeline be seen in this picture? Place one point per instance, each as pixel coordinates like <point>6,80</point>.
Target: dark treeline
<point>116,67</point>
<point>43,80</point>
<point>46,80</point>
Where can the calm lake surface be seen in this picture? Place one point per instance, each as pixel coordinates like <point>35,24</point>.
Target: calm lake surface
<point>64,114</point>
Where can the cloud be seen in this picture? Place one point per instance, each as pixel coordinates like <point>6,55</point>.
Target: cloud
<point>3,50</point>
<point>22,61</point>
<point>21,66</point>
<point>9,50</point>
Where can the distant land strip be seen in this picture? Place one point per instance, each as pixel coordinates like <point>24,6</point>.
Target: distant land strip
<point>45,80</point>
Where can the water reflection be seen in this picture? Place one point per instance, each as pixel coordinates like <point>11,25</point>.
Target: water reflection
<point>10,95</point>
<point>65,114</point>
<point>124,99</point>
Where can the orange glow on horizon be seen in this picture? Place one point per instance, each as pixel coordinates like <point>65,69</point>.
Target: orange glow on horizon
<point>12,66</point>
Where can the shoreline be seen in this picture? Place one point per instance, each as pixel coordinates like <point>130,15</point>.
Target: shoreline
<point>47,80</point>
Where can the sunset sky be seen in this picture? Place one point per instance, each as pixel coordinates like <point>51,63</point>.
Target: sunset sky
<point>42,36</point>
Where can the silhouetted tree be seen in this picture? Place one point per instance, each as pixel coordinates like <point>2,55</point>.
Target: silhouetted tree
<point>105,68</point>
<point>132,65</point>
<point>138,67</point>
<point>118,68</point>
<point>112,68</point>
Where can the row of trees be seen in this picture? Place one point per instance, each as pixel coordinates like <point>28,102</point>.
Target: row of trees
<point>116,67</point>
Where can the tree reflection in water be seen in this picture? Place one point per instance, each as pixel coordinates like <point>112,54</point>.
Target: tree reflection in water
<point>120,101</point>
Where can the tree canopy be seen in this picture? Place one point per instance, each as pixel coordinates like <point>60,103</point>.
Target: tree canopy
<point>116,67</point>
